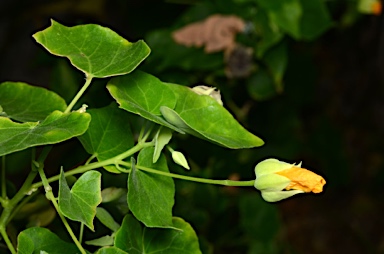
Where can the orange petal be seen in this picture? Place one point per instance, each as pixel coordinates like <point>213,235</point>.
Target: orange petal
<point>303,179</point>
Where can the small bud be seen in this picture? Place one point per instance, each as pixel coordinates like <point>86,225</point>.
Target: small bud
<point>179,158</point>
<point>278,180</point>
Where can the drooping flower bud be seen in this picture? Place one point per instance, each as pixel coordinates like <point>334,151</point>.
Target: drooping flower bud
<point>278,180</point>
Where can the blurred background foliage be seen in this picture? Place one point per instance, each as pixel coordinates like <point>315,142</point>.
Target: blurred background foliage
<point>311,87</point>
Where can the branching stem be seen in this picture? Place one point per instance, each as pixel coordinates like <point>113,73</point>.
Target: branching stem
<point>9,205</point>
<point>94,165</point>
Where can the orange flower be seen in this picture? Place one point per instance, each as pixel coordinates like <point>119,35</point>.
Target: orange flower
<point>278,180</point>
<point>303,179</point>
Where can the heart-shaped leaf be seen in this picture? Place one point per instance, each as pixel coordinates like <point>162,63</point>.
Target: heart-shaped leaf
<point>93,49</point>
<point>79,204</point>
<point>143,94</point>
<point>26,103</point>
<point>199,115</point>
<point>151,196</point>
<point>57,127</point>
<point>108,134</point>
<point>39,240</point>
<point>133,238</point>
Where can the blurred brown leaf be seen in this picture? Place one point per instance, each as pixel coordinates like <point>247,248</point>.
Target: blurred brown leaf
<point>216,33</point>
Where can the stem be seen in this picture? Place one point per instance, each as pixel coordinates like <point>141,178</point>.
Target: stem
<point>21,204</point>
<point>9,205</point>
<point>79,94</point>
<point>81,232</point>
<point>3,181</point>
<point>94,165</point>
<point>144,135</point>
<point>141,134</point>
<point>170,149</point>
<point>90,159</point>
<point>193,179</point>
<point>51,197</point>
<point>7,241</point>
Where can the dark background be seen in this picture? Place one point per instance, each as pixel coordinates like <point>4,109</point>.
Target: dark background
<point>330,116</point>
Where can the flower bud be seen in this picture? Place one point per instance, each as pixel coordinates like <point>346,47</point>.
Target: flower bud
<point>278,180</point>
<point>179,158</point>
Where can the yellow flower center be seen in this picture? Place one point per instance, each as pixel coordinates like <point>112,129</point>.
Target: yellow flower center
<point>303,179</point>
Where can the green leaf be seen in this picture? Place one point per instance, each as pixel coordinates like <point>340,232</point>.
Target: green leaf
<point>79,204</point>
<point>285,13</point>
<point>56,128</point>
<point>199,115</point>
<point>111,250</point>
<point>116,196</point>
<point>93,49</point>
<point>102,241</point>
<point>204,117</point>
<point>261,86</point>
<point>151,196</point>
<point>162,138</point>
<point>26,103</point>
<point>259,219</point>
<point>143,94</point>
<point>268,32</point>
<point>277,60</point>
<point>135,239</point>
<point>112,193</point>
<point>168,54</point>
<point>315,20</point>
<point>106,218</point>
<point>36,240</point>
<point>108,134</point>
